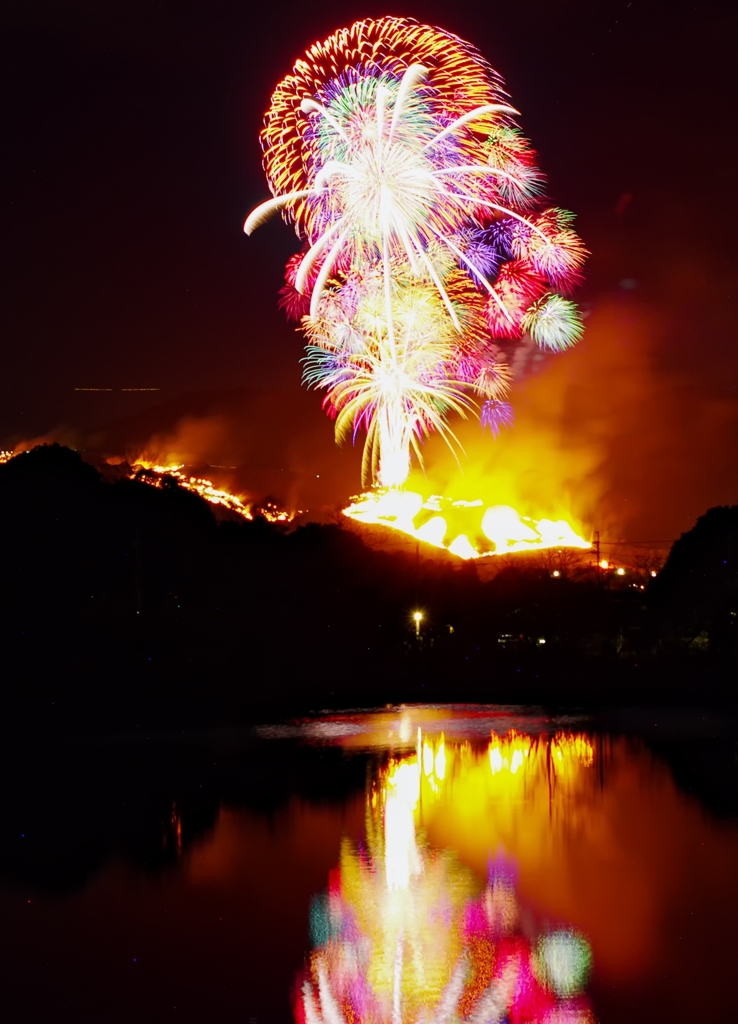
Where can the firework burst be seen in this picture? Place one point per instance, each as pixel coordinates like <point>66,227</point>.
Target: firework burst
<point>393,150</point>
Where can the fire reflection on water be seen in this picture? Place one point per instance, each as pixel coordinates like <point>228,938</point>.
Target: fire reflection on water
<point>588,835</point>
<point>406,934</point>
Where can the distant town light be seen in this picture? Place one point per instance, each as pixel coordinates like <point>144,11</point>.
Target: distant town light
<point>556,573</point>
<point>620,571</point>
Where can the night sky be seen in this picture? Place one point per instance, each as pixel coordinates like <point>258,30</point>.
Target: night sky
<point>131,157</point>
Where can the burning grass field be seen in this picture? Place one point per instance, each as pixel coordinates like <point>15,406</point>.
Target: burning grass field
<point>489,536</point>
<point>466,529</point>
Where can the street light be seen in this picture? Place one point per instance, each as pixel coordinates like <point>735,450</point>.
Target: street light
<point>418,616</point>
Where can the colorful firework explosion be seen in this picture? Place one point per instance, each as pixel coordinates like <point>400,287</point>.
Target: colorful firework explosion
<point>427,245</point>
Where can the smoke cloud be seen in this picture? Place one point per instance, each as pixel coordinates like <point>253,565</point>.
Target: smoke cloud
<point>608,435</point>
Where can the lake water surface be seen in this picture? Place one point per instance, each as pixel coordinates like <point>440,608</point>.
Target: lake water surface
<point>412,864</point>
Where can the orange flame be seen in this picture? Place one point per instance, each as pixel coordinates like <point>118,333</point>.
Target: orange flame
<point>497,529</point>
<point>154,474</point>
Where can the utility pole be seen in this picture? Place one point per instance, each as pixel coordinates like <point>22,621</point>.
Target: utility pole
<point>597,550</point>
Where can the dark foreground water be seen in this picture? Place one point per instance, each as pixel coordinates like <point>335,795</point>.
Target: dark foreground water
<point>413,864</point>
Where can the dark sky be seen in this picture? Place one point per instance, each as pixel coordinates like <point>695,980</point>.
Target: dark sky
<point>131,156</point>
